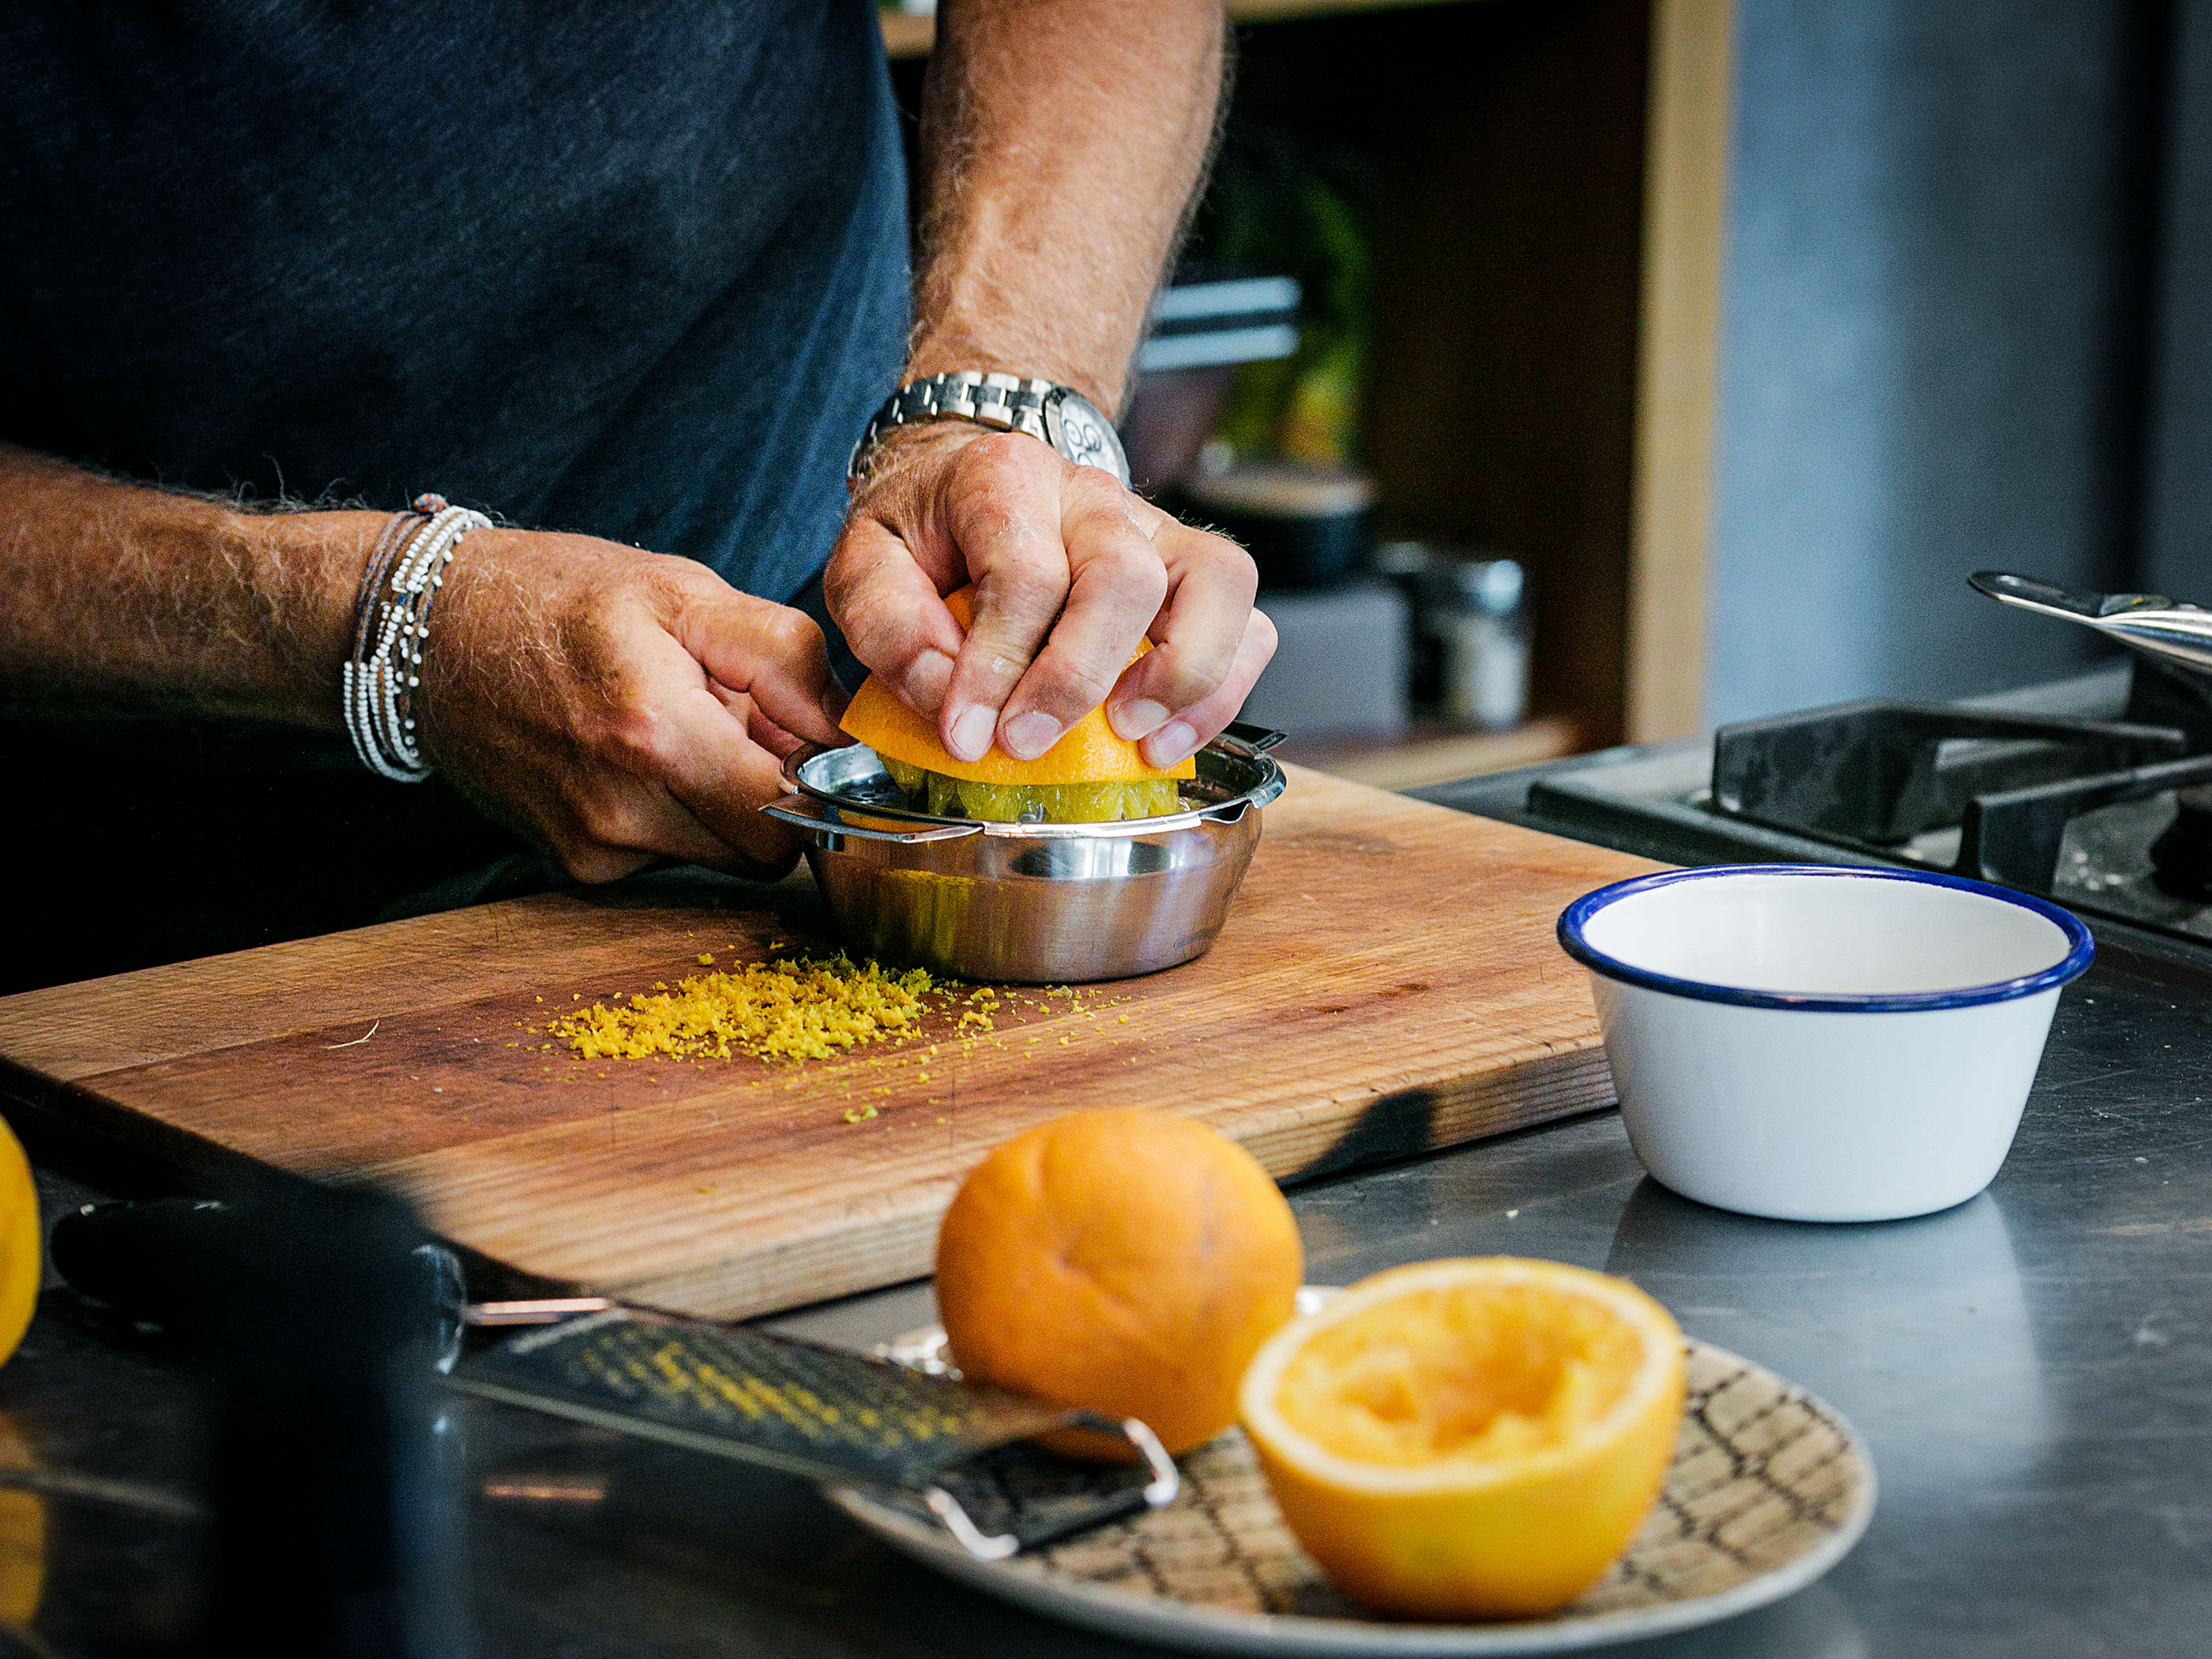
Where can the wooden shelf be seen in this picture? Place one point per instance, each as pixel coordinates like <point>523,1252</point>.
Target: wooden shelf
<point>1677,346</point>
<point>906,34</point>
<point>1429,754</point>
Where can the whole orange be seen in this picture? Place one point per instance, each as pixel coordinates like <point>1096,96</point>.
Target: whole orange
<point>21,1265</point>
<point>1130,1262</point>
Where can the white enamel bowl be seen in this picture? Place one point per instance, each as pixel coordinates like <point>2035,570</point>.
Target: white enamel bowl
<point>1822,1045</point>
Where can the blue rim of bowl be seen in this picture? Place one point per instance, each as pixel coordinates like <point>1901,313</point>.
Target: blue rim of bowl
<point>2081,948</point>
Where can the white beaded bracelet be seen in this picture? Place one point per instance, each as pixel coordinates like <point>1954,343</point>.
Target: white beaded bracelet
<point>384,670</point>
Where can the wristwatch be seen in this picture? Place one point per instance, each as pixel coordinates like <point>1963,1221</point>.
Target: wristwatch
<point>1059,414</point>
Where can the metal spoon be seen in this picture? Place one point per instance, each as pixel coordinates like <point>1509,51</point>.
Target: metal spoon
<point>2149,623</point>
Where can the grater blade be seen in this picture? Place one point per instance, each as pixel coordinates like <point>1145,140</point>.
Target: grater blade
<point>829,1414</point>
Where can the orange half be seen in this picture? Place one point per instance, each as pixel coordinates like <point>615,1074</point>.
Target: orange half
<point>1469,1439</point>
<point>1089,751</point>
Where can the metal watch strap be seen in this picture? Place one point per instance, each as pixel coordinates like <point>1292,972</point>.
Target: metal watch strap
<point>1007,403</point>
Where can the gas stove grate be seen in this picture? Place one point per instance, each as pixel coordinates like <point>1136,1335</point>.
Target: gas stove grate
<point>2095,791</point>
<point>1874,775</point>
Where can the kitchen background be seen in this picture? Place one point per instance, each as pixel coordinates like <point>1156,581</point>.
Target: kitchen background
<point>1743,332</point>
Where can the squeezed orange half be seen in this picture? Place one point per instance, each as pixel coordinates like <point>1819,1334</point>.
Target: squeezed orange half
<point>1088,752</point>
<point>1475,1438</point>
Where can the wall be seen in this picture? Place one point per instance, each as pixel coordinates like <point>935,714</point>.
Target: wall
<point>1932,349</point>
<point>2178,515</point>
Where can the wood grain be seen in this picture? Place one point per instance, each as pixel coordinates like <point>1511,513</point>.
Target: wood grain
<point>1387,982</point>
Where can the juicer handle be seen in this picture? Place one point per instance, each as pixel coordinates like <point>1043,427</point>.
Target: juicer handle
<point>1258,738</point>
<point>809,813</point>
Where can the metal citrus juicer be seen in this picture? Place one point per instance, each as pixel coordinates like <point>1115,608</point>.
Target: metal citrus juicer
<point>1029,901</point>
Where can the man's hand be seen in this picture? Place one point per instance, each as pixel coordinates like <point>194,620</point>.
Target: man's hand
<point>615,706</point>
<point>1061,141</point>
<point>1070,570</point>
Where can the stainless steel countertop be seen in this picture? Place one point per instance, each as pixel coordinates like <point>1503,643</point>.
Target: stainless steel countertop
<point>2034,1371</point>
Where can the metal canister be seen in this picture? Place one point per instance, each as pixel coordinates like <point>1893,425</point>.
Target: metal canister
<point>1478,625</point>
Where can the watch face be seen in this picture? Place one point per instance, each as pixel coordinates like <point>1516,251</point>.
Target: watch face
<point>1079,432</point>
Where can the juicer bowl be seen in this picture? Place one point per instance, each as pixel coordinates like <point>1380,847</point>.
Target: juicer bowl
<point>1029,902</point>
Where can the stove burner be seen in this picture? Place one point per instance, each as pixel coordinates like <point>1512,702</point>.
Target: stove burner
<point>2181,858</point>
<point>2068,807</point>
<point>1872,775</point>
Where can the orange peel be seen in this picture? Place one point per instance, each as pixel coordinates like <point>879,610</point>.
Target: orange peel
<point>1089,752</point>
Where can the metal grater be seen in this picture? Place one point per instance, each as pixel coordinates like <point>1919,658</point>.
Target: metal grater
<point>829,1415</point>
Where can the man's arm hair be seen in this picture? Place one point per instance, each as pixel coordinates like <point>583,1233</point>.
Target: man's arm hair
<point>1062,144</point>
<point>614,705</point>
<point>128,599</point>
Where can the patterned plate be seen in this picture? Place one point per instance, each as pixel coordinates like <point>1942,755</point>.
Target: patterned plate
<point>1769,1487</point>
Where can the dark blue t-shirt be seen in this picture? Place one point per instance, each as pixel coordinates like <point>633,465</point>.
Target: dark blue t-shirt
<point>637,270</point>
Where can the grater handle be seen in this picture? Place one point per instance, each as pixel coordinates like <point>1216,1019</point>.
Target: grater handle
<point>159,1261</point>
<point>1159,1492</point>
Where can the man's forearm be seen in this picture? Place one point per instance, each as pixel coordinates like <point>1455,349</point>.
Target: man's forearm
<point>1061,141</point>
<point>117,596</point>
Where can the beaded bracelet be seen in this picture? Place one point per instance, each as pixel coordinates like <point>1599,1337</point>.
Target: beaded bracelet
<point>392,620</point>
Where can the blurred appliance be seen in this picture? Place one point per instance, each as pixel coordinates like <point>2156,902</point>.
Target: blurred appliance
<point>1481,638</point>
<point>1340,666</point>
<point>1246,319</point>
<point>1469,632</point>
<point>1201,332</point>
<point>1305,526</point>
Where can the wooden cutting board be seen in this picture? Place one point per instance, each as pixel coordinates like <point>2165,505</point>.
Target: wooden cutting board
<point>1388,983</point>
